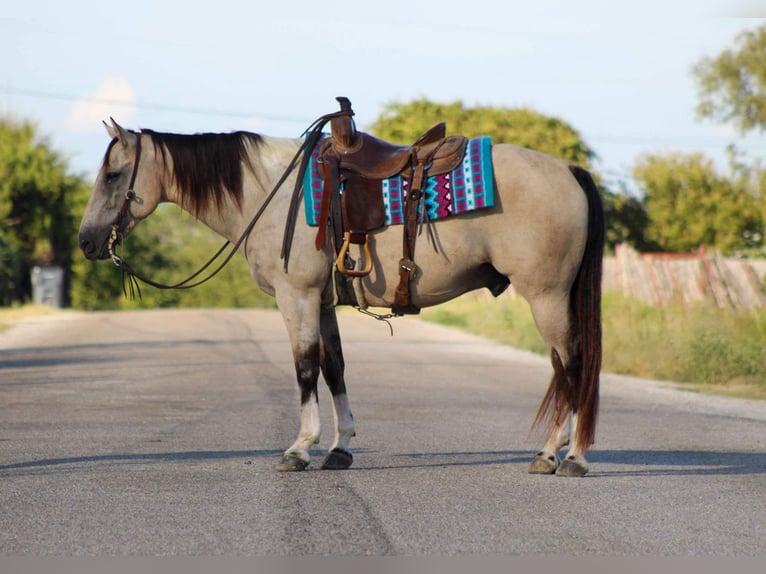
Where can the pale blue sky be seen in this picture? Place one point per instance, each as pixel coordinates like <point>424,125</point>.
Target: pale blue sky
<point>620,76</point>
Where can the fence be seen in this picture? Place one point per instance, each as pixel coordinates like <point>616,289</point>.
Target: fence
<point>658,278</point>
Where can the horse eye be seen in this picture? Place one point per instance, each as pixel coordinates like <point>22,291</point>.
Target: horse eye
<point>112,176</point>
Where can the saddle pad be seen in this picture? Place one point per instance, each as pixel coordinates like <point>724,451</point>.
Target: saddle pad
<point>468,187</point>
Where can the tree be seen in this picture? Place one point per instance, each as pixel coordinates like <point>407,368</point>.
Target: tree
<point>732,86</point>
<point>689,205</point>
<point>168,247</point>
<point>404,123</point>
<point>627,220</point>
<point>37,215</point>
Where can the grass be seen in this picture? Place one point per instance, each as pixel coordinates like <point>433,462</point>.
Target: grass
<point>704,348</point>
<point>12,315</point>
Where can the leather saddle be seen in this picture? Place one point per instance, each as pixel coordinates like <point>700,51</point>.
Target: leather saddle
<point>353,165</point>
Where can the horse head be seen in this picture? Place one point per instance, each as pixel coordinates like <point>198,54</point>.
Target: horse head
<point>124,193</point>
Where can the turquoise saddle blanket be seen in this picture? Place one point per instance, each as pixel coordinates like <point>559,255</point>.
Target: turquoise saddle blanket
<point>468,187</point>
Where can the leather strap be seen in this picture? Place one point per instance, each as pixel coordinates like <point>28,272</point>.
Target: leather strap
<point>130,194</point>
<point>407,267</point>
<point>329,169</point>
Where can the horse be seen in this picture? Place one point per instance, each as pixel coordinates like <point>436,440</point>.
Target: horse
<point>544,234</point>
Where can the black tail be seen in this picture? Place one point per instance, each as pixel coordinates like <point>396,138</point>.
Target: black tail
<point>585,301</point>
<point>575,386</point>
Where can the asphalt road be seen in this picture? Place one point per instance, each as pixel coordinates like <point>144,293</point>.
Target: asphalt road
<point>156,433</point>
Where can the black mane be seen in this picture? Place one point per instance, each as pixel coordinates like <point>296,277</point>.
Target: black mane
<point>206,166</point>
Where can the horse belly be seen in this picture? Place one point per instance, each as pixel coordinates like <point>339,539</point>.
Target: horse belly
<point>447,265</point>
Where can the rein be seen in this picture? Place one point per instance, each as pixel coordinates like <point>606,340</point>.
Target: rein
<point>313,133</point>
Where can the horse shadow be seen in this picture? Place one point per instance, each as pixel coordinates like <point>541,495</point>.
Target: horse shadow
<point>611,463</point>
<point>604,463</point>
<point>67,464</point>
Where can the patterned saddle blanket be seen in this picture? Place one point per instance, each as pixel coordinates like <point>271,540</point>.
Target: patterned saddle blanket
<point>468,187</point>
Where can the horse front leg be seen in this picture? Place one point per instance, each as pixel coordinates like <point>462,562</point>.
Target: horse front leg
<point>333,366</point>
<point>307,368</point>
<point>300,315</point>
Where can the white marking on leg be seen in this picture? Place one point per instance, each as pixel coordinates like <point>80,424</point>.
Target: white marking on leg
<point>310,431</point>
<point>576,450</point>
<point>344,422</point>
<point>558,437</point>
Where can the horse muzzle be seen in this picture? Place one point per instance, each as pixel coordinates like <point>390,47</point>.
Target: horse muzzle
<point>94,249</point>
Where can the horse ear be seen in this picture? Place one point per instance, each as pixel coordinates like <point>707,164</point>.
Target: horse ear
<point>115,130</point>
<point>110,130</point>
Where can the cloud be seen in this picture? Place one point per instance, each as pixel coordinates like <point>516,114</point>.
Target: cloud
<point>114,97</point>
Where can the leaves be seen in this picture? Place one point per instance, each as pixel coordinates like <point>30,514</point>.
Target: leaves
<point>689,204</point>
<point>404,123</point>
<point>37,197</point>
<point>732,86</point>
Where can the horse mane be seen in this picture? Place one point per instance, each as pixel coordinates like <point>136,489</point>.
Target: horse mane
<point>208,166</point>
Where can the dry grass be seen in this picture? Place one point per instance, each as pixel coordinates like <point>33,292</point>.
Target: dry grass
<point>9,316</point>
<point>705,348</point>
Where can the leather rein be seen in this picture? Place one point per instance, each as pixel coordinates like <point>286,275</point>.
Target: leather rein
<point>313,135</point>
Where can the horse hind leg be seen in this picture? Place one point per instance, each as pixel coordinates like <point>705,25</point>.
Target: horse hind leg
<point>339,455</point>
<point>551,315</point>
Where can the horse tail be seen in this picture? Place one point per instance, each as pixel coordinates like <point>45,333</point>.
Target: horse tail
<point>575,386</point>
<point>585,309</point>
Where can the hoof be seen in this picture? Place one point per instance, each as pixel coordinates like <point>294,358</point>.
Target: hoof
<point>337,459</point>
<point>572,466</point>
<point>291,463</point>
<point>544,463</point>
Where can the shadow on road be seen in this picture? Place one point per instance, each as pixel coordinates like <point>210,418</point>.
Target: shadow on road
<point>604,463</point>
<point>188,456</point>
<point>677,462</point>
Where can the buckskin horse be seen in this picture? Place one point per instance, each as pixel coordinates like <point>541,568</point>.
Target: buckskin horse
<point>544,233</point>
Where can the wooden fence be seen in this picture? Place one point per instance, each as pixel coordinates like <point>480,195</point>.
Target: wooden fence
<point>658,278</point>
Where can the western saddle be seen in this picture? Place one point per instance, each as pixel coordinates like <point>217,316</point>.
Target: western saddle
<point>353,165</point>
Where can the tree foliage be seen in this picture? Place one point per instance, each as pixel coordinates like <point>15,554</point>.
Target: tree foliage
<point>167,247</point>
<point>732,86</point>
<point>627,220</point>
<point>689,204</point>
<point>38,204</point>
<point>404,123</point>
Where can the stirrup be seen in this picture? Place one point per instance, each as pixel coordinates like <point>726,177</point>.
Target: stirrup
<point>340,261</point>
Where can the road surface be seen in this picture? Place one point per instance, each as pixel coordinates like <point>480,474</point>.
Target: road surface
<point>156,433</point>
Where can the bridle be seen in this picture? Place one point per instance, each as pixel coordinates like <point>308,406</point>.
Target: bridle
<point>313,135</point>
<point>130,195</point>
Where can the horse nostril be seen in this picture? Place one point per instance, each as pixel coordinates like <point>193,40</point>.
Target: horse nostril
<point>86,246</point>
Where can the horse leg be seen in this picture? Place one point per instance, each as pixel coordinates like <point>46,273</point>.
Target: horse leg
<point>331,356</point>
<point>546,460</point>
<point>300,318</point>
<point>552,316</point>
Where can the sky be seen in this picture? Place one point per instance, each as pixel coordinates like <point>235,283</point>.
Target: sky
<point>618,73</point>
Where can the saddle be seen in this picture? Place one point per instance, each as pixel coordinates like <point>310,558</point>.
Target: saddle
<point>353,165</point>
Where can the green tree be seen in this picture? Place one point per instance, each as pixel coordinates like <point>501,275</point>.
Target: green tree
<point>732,86</point>
<point>404,123</point>
<point>37,219</point>
<point>627,220</point>
<point>689,205</point>
<point>167,247</point>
